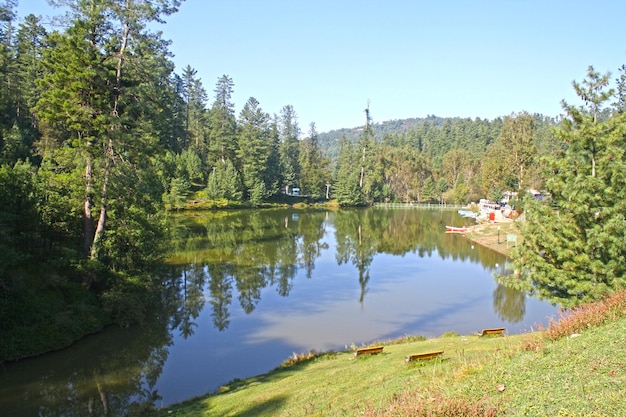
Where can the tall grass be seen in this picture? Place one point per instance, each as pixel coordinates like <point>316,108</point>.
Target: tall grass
<point>574,320</point>
<point>438,405</point>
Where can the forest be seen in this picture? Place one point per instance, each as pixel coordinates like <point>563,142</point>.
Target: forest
<point>100,138</point>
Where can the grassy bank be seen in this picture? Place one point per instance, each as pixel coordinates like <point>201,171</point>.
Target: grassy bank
<point>573,368</point>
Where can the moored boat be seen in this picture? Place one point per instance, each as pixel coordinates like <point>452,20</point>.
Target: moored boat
<point>453,229</point>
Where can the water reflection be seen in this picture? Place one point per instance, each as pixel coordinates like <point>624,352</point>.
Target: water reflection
<point>252,250</point>
<point>245,289</point>
<point>110,374</point>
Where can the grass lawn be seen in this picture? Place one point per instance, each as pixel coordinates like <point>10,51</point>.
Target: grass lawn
<point>339,384</point>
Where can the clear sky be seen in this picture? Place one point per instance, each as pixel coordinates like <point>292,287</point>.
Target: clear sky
<point>408,58</point>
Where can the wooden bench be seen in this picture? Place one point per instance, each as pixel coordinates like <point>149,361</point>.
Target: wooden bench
<point>369,351</point>
<point>492,332</point>
<point>423,356</point>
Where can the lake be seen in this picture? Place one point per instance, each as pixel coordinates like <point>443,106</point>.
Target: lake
<point>245,289</point>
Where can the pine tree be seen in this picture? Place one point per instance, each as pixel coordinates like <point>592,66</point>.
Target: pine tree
<point>222,123</point>
<point>7,64</point>
<point>366,145</point>
<point>289,148</point>
<point>517,139</point>
<point>195,98</point>
<point>428,190</point>
<point>314,167</point>
<point>31,42</point>
<point>93,101</point>
<point>346,189</point>
<point>574,247</point>
<point>254,148</point>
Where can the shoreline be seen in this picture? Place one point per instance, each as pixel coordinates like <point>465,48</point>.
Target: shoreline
<point>494,236</point>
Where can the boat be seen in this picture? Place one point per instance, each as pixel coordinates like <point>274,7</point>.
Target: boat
<point>452,229</point>
<point>468,214</point>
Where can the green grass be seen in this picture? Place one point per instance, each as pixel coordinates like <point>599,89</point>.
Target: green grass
<point>546,373</point>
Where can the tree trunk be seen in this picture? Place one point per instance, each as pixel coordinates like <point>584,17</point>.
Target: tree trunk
<point>99,233</point>
<point>88,231</point>
<point>109,153</point>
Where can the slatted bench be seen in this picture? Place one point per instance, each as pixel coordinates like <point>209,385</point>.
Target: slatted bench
<point>423,356</point>
<point>492,332</point>
<point>369,351</point>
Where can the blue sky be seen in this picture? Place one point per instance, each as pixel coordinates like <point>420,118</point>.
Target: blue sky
<point>409,58</point>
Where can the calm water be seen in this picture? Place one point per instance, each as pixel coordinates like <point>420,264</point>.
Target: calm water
<point>246,289</point>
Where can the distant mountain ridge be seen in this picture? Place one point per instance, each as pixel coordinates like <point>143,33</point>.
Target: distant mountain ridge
<point>329,141</point>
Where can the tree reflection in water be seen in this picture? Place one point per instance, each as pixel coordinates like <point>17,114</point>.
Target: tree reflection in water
<point>110,374</point>
<point>249,250</point>
<point>217,256</point>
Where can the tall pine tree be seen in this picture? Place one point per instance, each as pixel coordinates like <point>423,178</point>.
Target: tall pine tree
<point>575,247</point>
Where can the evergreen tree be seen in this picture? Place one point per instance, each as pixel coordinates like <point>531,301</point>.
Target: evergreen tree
<point>90,103</point>
<point>517,138</point>
<point>346,189</point>
<point>442,187</point>
<point>366,146</point>
<point>429,193</point>
<point>620,94</point>
<point>314,167</point>
<point>254,149</point>
<point>495,171</point>
<point>574,247</point>
<point>195,99</point>
<point>224,183</point>
<point>222,123</point>
<point>7,62</point>
<point>455,164</point>
<point>273,173</point>
<point>289,149</point>
<point>31,42</point>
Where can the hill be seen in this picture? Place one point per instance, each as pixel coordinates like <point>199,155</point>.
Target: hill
<point>329,141</point>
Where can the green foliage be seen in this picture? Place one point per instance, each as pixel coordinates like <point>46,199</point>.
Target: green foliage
<point>289,149</point>
<point>257,194</point>
<point>495,194</point>
<point>224,182</point>
<point>113,135</point>
<point>222,123</point>
<point>429,192</point>
<point>89,102</point>
<point>128,298</point>
<point>574,248</point>
<point>177,195</point>
<point>442,187</point>
<point>346,188</point>
<point>314,171</point>
<point>19,219</point>
<point>460,193</point>
<point>16,145</point>
<point>255,150</point>
<point>517,140</point>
